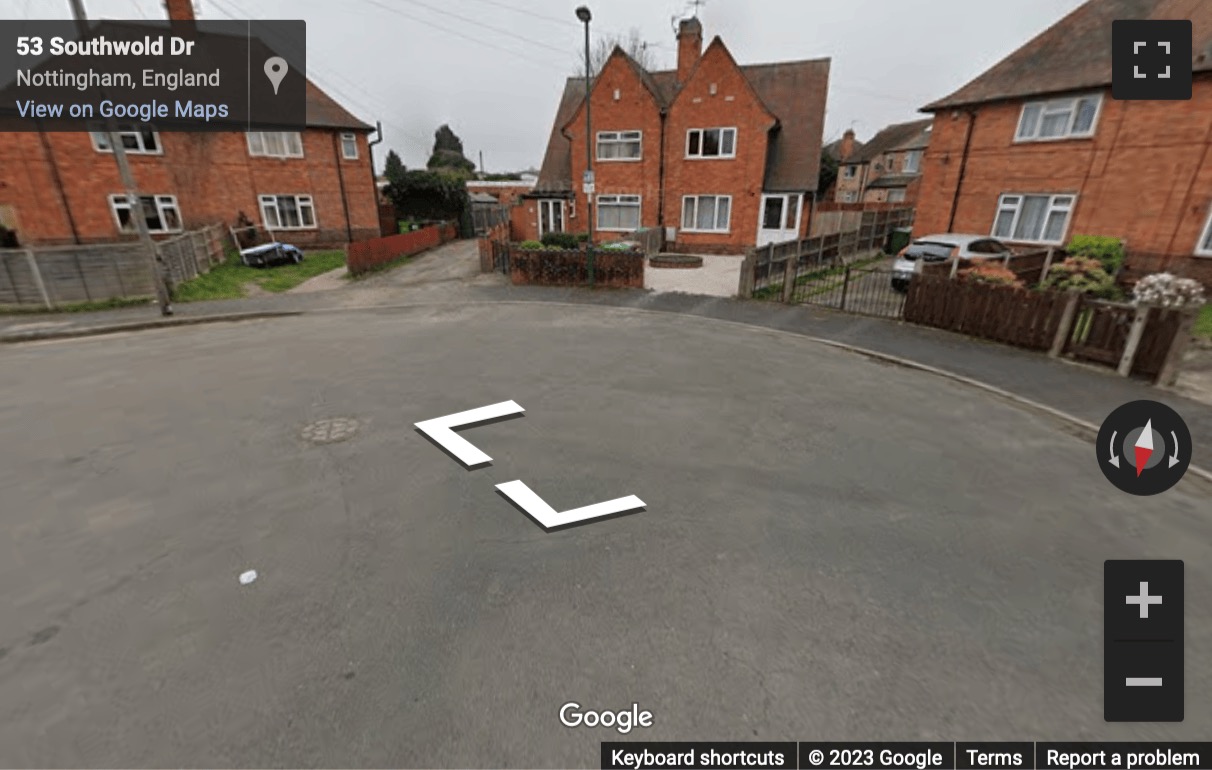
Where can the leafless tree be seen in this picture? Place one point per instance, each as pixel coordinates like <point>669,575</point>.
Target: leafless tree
<point>603,45</point>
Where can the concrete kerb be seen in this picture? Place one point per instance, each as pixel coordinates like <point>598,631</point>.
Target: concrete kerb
<point>1086,429</point>
<point>35,335</point>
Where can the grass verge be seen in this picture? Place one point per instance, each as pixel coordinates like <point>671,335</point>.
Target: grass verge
<point>1203,324</point>
<point>228,281</point>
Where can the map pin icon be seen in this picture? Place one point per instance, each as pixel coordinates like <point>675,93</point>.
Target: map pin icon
<point>275,70</point>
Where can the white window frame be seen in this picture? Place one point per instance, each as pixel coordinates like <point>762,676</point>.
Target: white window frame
<point>347,136</point>
<point>1203,247</point>
<point>701,132</point>
<point>622,201</point>
<point>1056,107</point>
<point>915,167</point>
<point>301,200</point>
<point>551,205</point>
<point>715,216</point>
<point>260,151</point>
<point>616,138</point>
<point>1003,204</point>
<point>101,142</point>
<point>121,201</point>
<point>898,192</point>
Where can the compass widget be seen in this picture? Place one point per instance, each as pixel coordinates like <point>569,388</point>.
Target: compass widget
<point>1144,448</point>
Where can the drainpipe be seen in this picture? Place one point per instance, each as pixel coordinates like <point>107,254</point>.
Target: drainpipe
<point>661,181</point>
<point>336,151</point>
<point>374,183</point>
<point>959,182</point>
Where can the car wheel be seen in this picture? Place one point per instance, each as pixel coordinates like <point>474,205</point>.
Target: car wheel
<point>297,257</point>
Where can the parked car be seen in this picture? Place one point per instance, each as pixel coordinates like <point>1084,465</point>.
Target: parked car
<point>942,248</point>
<point>271,254</point>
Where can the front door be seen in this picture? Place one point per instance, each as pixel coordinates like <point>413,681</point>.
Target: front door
<point>551,217</point>
<point>779,218</point>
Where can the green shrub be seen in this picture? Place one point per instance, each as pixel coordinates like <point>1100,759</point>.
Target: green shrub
<point>530,245</point>
<point>582,237</point>
<point>1107,250</point>
<point>562,240</point>
<point>1084,274</point>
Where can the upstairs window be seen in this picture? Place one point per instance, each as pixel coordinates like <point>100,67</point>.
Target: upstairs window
<point>275,144</point>
<point>1069,118</point>
<point>349,146</point>
<point>850,172</point>
<point>134,142</point>
<point>620,145</point>
<point>711,143</point>
<point>913,162</point>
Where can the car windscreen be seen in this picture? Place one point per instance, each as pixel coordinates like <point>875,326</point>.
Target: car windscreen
<point>930,251</point>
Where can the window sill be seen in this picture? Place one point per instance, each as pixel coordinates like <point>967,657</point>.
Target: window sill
<point>710,157</point>
<point>619,160</point>
<point>1045,140</point>
<point>601,229</point>
<point>705,232</point>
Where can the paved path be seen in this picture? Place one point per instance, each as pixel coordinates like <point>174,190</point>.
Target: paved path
<point>333,279</point>
<point>831,548</point>
<point>718,277</point>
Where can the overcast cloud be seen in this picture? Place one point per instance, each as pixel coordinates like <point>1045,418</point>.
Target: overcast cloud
<point>493,69</point>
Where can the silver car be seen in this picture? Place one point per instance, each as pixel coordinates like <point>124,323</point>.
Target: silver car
<point>942,248</point>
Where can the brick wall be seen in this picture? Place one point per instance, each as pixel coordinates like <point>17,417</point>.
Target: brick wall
<point>211,174</point>
<point>732,105</point>
<point>366,255</point>
<point>635,109</point>
<point>1145,176</point>
<point>570,268</point>
<point>506,193</point>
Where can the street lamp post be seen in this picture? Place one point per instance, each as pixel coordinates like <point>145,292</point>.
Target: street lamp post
<point>584,15</point>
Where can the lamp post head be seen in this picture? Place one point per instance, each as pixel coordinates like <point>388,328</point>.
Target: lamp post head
<point>583,14</point>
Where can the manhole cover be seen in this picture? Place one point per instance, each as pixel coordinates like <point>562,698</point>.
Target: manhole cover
<point>330,431</point>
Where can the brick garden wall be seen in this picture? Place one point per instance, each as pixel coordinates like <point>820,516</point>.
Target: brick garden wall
<point>363,256</point>
<point>569,268</point>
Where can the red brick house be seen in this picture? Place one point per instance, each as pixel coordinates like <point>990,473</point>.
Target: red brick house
<point>314,187</point>
<point>886,169</point>
<point>721,155</point>
<point>1035,150</point>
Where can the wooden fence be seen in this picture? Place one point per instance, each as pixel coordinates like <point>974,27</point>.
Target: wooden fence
<point>765,269</point>
<point>62,275</point>
<point>1031,267</point>
<point>1135,340</point>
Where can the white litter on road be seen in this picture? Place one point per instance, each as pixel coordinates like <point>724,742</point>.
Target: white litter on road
<point>248,577</point>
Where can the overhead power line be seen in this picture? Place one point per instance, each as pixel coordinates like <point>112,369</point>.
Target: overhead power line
<point>464,19</point>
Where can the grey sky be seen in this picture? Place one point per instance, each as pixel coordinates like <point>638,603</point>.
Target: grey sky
<point>493,69</point>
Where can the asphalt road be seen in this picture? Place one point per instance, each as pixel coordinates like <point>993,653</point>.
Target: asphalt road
<point>832,548</point>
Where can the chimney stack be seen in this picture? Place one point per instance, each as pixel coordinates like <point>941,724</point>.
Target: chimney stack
<point>180,10</point>
<point>847,144</point>
<point>690,46</point>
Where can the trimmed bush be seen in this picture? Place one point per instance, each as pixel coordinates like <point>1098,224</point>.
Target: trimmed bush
<point>563,240</point>
<point>530,245</point>
<point>1107,250</point>
<point>993,273</point>
<point>1084,274</point>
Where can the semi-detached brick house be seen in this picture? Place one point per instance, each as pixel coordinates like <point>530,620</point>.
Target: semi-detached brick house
<point>721,155</point>
<point>314,187</point>
<point>886,169</point>
<point>1035,150</point>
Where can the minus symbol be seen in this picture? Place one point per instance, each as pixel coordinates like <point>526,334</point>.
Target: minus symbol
<point>1143,681</point>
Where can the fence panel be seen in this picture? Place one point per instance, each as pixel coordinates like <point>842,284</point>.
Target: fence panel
<point>1100,331</point>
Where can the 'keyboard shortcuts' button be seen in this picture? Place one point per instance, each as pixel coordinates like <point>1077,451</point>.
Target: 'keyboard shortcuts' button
<point>1143,641</point>
<point>1151,59</point>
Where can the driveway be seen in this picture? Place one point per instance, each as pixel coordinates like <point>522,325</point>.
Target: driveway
<point>814,521</point>
<point>718,277</point>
